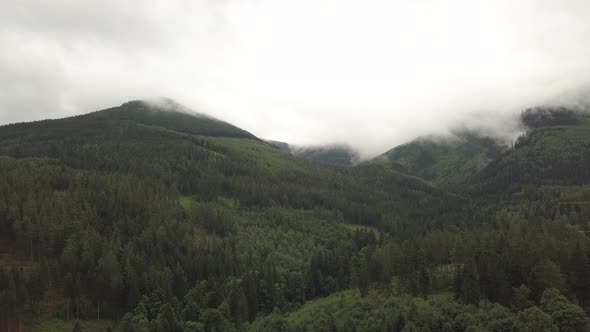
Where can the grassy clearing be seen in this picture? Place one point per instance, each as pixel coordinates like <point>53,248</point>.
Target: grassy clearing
<point>186,202</point>
<point>358,227</point>
<point>341,301</point>
<point>267,157</point>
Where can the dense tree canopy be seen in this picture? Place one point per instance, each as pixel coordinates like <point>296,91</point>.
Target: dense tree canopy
<point>162,221</point>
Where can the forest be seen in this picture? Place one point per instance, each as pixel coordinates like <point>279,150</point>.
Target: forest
<point>137,218</point>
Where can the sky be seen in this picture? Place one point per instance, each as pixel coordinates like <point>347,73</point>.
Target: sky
<point>368,73</point>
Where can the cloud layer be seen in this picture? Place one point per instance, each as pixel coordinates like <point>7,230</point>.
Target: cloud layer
<point>371,74</point>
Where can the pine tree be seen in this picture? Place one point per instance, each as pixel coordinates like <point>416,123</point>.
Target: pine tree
<point>364,274</point>
<point>580,275</point>
<point>521,298</point>
<point>241,311</point>
<point>354,276</point>
<point>251,293</point>
<point>544,275</point>
<point>467,284</point>
<point>424,282</point>
<point>166,321</point>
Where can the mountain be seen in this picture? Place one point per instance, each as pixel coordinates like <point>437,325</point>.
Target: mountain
<point>446,161</point>
<point>555,142</point>
<point>279,145</point>
<point>148,201</point>
<point>554,151</point>
<point>193,152</point>
<point>151,217</point>
<point>543,116</point>
<point>165,114</point>
<point>335,155</point>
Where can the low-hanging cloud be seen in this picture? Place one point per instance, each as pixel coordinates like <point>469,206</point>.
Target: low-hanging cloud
<point>371,74</point>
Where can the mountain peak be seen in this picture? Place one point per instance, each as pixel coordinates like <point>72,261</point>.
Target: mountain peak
<point>545,116</point>
<point>169,114</point>
<point>160,104</point>
<point>160,114</point>
<point>444,160</point>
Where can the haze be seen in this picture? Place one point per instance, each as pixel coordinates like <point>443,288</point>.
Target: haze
<point>372,74</point>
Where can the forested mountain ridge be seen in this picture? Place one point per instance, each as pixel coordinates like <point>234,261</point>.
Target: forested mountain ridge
<point>105,208</point>
<point>160,221</point>
<point>446,161</point>
<point>337,155</point>
<point>546,116</point>
<point>197,155</point>
<point>466,156</point>
<point>162,113</point>
<point>554,151</point>
<point>331,154</point>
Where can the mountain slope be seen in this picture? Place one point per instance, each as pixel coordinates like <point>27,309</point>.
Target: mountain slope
<point>335,155</point>
<point>446,161</point>
<point>135,202</point>
<point>165,114</point>
<point>158,224</point>
<point>189,152</point>
<point>547,155</point>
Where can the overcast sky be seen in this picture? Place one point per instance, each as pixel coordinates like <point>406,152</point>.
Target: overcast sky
<point>369,73</point>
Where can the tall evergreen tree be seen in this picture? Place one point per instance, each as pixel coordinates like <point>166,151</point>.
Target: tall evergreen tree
<point>467,284</point>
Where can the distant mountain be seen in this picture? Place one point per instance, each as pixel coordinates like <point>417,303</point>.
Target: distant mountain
<point>538,117</point>
<point>163,219</point>
<point>133,115</point>
<point>171,115</point>
<point>555,150</point>
<point>445,161</point>
<point>336,154</point>
<point>279,145</point>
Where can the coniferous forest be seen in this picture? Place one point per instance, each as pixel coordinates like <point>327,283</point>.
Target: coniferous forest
<point>145,218</point>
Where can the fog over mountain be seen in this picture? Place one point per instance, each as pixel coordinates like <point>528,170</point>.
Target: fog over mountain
<point>370,74</point>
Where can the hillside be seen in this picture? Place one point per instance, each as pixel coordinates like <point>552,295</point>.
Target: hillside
<point>377,311</point>
<point>446,161</point>
<point>142,218</point>
<point>335,155</point>
<point>553,152</point>
<point>195,154</point>
<point>88,201</point>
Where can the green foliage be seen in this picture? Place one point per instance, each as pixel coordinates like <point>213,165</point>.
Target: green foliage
<point>175,222</point>
<point>521,298</point>
<point>133,323</point>
<point>446,161</point>
<point>546,274</point>
<point>194,327</point>
<point>544,156</point>
<point>166,321</point>
<point>467,286</point>
<point>349,311</point>
<point>538,117</point>
<point>335,155</point>
<point>534,319</point>
<point>568,316</point>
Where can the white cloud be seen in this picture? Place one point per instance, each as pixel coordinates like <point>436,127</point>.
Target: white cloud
<point>368,73</point>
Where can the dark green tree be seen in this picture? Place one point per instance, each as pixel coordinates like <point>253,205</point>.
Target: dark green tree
<point>467,284</point>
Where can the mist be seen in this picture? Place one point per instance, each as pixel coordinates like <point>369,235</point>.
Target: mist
<point>369,74</point>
